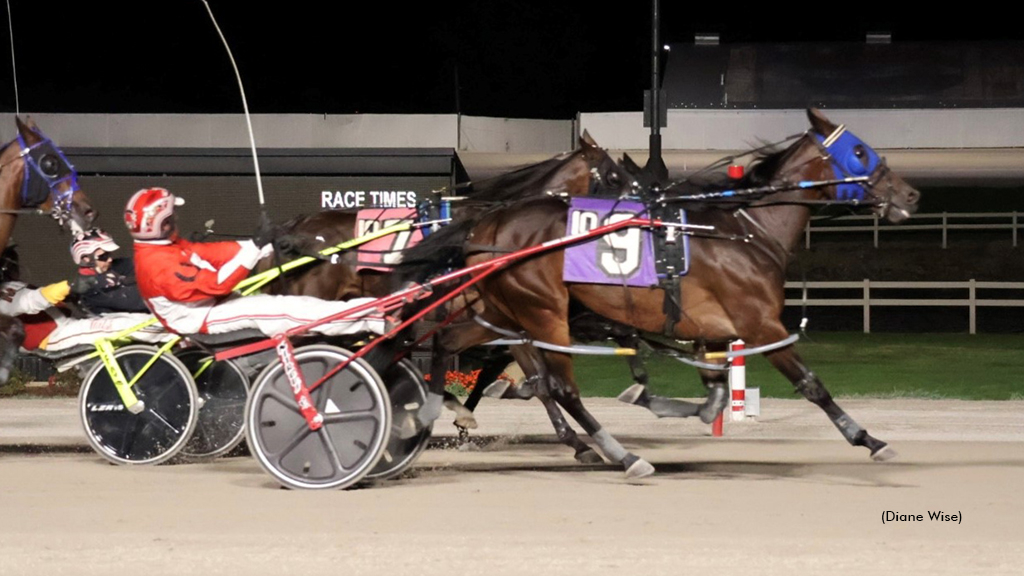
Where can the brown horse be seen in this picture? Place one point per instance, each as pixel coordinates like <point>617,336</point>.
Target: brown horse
<point>734,289</point>
<point>35,176</point>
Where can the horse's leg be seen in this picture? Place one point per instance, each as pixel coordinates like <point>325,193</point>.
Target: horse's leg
<point>807,383</point>
<point>716,381</point>
<point>532,362</point>
<point>566,393</point>
<point>493,367</point>
<point>12,334</point>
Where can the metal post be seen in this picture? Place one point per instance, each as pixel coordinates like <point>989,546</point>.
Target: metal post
<point>973,299</point>
<point>655,141</point>
<point>807,235</point>
<point>876,230</point>
<point>867,306</point>
<point>1014,228</point>
<point>944,231</point>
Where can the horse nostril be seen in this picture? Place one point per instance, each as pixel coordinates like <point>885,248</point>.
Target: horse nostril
<point>913,196</point>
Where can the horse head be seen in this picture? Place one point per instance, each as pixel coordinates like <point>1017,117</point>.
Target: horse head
<point>601,175</point>
<point>844,156</point>
<point>42,177</point>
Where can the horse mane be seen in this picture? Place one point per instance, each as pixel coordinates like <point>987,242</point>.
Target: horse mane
<point>765,163</point>
<point>517,183</point>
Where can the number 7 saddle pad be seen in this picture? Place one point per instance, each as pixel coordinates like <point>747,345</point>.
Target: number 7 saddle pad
<point>383,253</point>
<point>630,257</point>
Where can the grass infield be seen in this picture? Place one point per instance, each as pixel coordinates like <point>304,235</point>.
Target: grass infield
<point>959,366</point>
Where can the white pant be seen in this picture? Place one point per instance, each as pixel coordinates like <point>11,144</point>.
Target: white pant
<point>273,315</point>
<point>71,332</point>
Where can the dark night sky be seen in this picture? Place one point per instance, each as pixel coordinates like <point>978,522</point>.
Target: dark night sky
<point>513,58</point>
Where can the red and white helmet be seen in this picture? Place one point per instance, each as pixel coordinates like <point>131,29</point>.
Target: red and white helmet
<point>147,211</point>
<point>88,244</point>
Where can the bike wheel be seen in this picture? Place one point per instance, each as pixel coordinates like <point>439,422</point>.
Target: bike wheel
<point>357,421</point>
<point>408,391</point>
<point>223,391</point>
<point>152,436</point>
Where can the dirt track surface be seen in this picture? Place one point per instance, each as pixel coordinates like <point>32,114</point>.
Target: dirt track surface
<point>783,495</point>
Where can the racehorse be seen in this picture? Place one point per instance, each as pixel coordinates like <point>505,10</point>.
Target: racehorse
<point>734,289</point>
<point>35,174</point>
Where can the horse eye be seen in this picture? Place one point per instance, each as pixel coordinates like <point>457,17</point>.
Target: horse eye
<point>613,178</point>
<point>859,151</point>
<point>49,165</point>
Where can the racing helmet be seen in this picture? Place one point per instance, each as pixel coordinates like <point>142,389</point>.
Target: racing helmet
<point>148,210</point>
<point>86,245</point>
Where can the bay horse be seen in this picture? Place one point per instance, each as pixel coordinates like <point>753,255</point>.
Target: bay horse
<point>734,289</point>
<point>35,176</point>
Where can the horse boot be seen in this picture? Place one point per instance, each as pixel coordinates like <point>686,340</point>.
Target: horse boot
<point>660,406</point>
<point>718,398</point>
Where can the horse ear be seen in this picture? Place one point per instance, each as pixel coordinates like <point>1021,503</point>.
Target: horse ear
<point>28,130</point>
<point>587,141</point>
<point>819,122</point>
<point>629,165</point>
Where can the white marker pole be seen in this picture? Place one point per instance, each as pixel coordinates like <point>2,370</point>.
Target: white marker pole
<point>738,382</point>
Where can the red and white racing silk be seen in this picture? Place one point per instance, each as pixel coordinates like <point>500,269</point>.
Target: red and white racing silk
<point>187,286</point>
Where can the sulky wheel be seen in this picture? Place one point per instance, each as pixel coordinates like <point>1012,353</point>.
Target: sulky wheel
<point>223,390</point>
<point>152,436</point>
<point>357,421</point>
<point>408,391</point>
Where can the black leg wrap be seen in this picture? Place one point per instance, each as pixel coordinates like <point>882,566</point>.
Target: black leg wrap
<point>811,388</point>
<point>852,431</point>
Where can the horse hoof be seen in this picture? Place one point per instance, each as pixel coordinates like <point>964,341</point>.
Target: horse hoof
<point>589,457</point>
<point>632,394</point>
<point>468,422</point>
<point>883,454</point>
<point>708,416</point>
<point>497,388</point>
<point>639,469</point>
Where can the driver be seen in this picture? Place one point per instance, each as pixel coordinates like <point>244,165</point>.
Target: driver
<point>48,325</point>
<point>104,283</point>
<point>188,285</point>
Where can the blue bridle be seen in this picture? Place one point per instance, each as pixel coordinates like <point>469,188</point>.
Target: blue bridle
<point>841,150</point>
<point>46,168</point>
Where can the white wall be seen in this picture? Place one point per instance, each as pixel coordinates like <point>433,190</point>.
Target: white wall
<point>687,130</point>
<point>479,134</point>
<point>515,136</point>
<point>742,129</point>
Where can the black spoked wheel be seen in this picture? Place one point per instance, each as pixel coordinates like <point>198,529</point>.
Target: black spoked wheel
<point>223,391</point>
<point>357,421</point>
<point>157,433</point>
<point>408,391</point>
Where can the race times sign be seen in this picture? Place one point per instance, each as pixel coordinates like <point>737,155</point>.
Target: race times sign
<point>625,257</point>
<point>339,200</point>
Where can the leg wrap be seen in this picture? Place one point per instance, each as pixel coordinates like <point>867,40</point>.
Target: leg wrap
<point>853,433</point>
<point>810,386</point>
<point>610,446</point>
